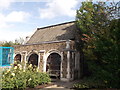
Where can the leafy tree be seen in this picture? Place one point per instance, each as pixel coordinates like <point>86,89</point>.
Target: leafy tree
<point>7,43</point>
<point>98,27</point>
<point>19,41</point>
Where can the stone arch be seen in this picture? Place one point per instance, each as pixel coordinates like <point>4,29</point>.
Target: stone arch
<point>53,63</point>
<point>18,57</point>
<point>32,58</point>
<point>53,51</point>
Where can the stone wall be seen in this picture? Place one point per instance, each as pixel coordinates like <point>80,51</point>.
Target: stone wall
<point>43,50</point>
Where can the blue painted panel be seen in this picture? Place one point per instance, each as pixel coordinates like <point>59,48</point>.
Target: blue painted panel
<point>6,56</point>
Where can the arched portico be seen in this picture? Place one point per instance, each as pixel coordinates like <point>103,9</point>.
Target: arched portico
<point>17,57</point>
<point>33,59</point>
<point>52,63</point>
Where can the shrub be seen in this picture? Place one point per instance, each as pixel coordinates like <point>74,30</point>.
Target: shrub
<point>89,83</point>
<point>21,77</point>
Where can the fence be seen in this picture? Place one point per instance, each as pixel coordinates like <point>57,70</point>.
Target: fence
<point>6,56</point>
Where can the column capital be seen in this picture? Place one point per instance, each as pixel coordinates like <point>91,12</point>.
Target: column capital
<point>41,51</point>
<point>68,44</point>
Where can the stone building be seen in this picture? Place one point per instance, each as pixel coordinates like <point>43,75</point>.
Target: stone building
<point>53,50</point>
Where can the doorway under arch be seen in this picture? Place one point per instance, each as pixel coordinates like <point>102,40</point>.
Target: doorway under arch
<point>18,57</point>
<point>53,65</point>
<point>33,59</point>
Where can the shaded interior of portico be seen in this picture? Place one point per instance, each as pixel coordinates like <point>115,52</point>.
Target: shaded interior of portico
<point>18,58</point>
<point>53,65</point>
<point>33,59</point>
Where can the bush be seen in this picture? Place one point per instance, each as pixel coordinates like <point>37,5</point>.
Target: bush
<point>99,78</point>
<point>20,77</point>
<point>90,83</point>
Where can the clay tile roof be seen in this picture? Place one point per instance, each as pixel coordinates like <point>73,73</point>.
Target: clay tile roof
<point>57,32</point>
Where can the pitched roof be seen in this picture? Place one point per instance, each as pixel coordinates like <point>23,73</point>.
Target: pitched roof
<point>57,32</point>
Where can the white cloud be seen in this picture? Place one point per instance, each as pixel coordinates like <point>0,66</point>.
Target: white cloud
<point>59,8</point>
<point>5,3</point>
<point>17,16</point>
<point>14,16</point>
<point>11,36</point>
<point>8,21</point>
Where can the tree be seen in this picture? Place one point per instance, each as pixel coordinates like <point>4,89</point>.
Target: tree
<point>19,41</point>
<point>7,43</point>
<point>98,27</point>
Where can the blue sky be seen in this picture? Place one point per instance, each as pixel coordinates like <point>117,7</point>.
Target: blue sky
<point>21,18</point>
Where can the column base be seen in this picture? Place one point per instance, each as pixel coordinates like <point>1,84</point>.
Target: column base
<point>66,79</point>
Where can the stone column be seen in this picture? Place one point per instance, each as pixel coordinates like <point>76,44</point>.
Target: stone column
<point>73,65</point>
<point>25,60</point>
<point>68,64</point>
<point>61,68</point>
<point>39,60</point>
<point>44,63</point>
<point>24,57</point>
<point>69,58</point>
